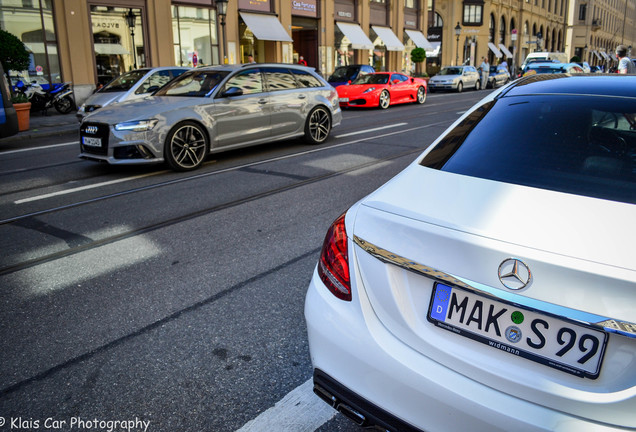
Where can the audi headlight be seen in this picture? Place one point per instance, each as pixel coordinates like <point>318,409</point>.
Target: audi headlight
<point>369,90</point>
<point>137,126</point>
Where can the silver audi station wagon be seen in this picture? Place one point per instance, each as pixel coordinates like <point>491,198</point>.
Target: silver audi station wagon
<point>213,109</point>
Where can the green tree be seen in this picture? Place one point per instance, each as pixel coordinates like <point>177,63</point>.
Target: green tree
<point>13,54</point>
<point>418,55</point>
<point>575,59</point>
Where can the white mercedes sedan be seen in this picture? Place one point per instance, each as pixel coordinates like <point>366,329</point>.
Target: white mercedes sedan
<point>491,286</point>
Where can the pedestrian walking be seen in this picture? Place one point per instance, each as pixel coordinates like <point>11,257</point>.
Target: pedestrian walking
<point>485,71</point>
<point>625,64</point>
<point>301,61</point>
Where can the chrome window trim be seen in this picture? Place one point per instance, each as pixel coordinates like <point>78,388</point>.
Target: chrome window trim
<point>610,325</point>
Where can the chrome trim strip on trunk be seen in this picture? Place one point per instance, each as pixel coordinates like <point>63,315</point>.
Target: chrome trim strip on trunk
<point>610,325</point>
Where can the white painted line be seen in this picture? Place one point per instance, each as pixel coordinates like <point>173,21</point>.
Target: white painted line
<point>78,189</point>
<point>370,130</point>
<point>299,411</point>
<point>40,148</point>
<point>225,170</point>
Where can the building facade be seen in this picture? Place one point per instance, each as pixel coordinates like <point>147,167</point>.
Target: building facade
<point>596,27</point>
<point>88,42</point>
<point>500,30</point>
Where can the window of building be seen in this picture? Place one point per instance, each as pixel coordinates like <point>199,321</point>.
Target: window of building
<point>410,4</point>
<point>582,12</point>
<point>473,13</point>
<point>32,23</point>
<point>196,40</point>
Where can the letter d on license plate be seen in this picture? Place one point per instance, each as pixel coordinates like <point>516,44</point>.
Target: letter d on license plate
<point>540,337</point>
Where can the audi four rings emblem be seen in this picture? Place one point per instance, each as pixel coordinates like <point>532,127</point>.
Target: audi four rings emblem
<point>514,274</point>
<point>91,129</point>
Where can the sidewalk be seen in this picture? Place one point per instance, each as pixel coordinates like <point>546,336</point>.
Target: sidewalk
<point>40,126</point>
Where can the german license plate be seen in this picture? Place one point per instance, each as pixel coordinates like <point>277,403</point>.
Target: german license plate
<point>92,142</point>
<point>343,100</point>
<point>543,338</point>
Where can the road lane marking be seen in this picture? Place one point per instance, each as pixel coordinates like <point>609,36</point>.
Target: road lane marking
<point>39,148</point>
<point>370,130</point>
<point>225,170</point>
<point>299,411</point>
<point>82,188</point>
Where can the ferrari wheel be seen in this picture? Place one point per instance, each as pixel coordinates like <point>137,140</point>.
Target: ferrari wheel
<point>385,99</point>
<point>421,95</point>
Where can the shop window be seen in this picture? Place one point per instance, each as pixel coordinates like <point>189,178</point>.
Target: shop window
<point>32,23</point>
<point>195,36</point>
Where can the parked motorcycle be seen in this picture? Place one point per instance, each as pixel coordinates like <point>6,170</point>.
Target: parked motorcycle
<point>60,97</point>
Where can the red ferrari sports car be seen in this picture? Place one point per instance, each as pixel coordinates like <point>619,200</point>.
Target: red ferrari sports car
<point>382,89</point>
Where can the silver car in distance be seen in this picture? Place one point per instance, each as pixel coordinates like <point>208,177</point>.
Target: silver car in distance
<point>213,109</point>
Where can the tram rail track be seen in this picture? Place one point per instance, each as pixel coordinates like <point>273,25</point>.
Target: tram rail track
<point>175,220</point>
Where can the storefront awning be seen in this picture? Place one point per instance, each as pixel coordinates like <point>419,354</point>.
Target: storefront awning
<point>266,27</point>
<point>598,56</point>
<point>435,51</point>
<point>356,36</point>
<point>391,41</point>
<point>419,39</point>
<point>504,50</point>
<point>110,49</point>
<point>494,49</point>
<point>605,56</point>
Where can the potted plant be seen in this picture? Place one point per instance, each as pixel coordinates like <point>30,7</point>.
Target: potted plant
<point>418,55</point>
<point>22,109</point>
<point>14,56</point>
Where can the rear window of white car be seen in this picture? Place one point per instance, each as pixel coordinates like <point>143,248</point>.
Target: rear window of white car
<point>584,145</point>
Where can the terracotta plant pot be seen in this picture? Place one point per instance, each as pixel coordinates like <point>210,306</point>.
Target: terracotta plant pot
<point>22,111</point>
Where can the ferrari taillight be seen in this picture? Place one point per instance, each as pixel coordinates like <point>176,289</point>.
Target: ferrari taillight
<point>333,267</point>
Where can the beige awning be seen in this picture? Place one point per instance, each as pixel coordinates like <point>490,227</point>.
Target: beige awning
<point>437,46</point>
<point>356,36</point>
<point>419,39</point>
<point>494,49</point>
<point>505,50</point>
<point>391,41</point>
<point>266,27</point>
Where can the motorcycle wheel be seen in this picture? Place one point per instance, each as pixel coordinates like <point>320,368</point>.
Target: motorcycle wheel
<point>64,105</point>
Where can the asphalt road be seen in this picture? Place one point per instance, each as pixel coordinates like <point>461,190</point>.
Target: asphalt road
<point>175,300</point>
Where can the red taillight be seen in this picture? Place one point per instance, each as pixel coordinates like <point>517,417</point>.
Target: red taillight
<point>333,267</point>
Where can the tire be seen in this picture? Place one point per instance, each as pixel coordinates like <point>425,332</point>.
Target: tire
<point>317,125</point>
<point>186,147</point>
<point>64,105</point>
<point>477,85</point>
<point>421,95</point>
<point>460,87</point>
<point>385,99</point>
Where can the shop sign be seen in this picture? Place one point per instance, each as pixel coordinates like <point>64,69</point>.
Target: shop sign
<point>410,19</point>
<point>255,5</point>
<point>306,8</point>
<point>345,11</point>
<point>102,24</point>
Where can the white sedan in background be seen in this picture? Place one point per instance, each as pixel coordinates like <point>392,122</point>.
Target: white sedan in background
<point>491,286</point>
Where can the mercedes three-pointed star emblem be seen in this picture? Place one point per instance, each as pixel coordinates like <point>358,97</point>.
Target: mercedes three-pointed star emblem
<point>514,274</point>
